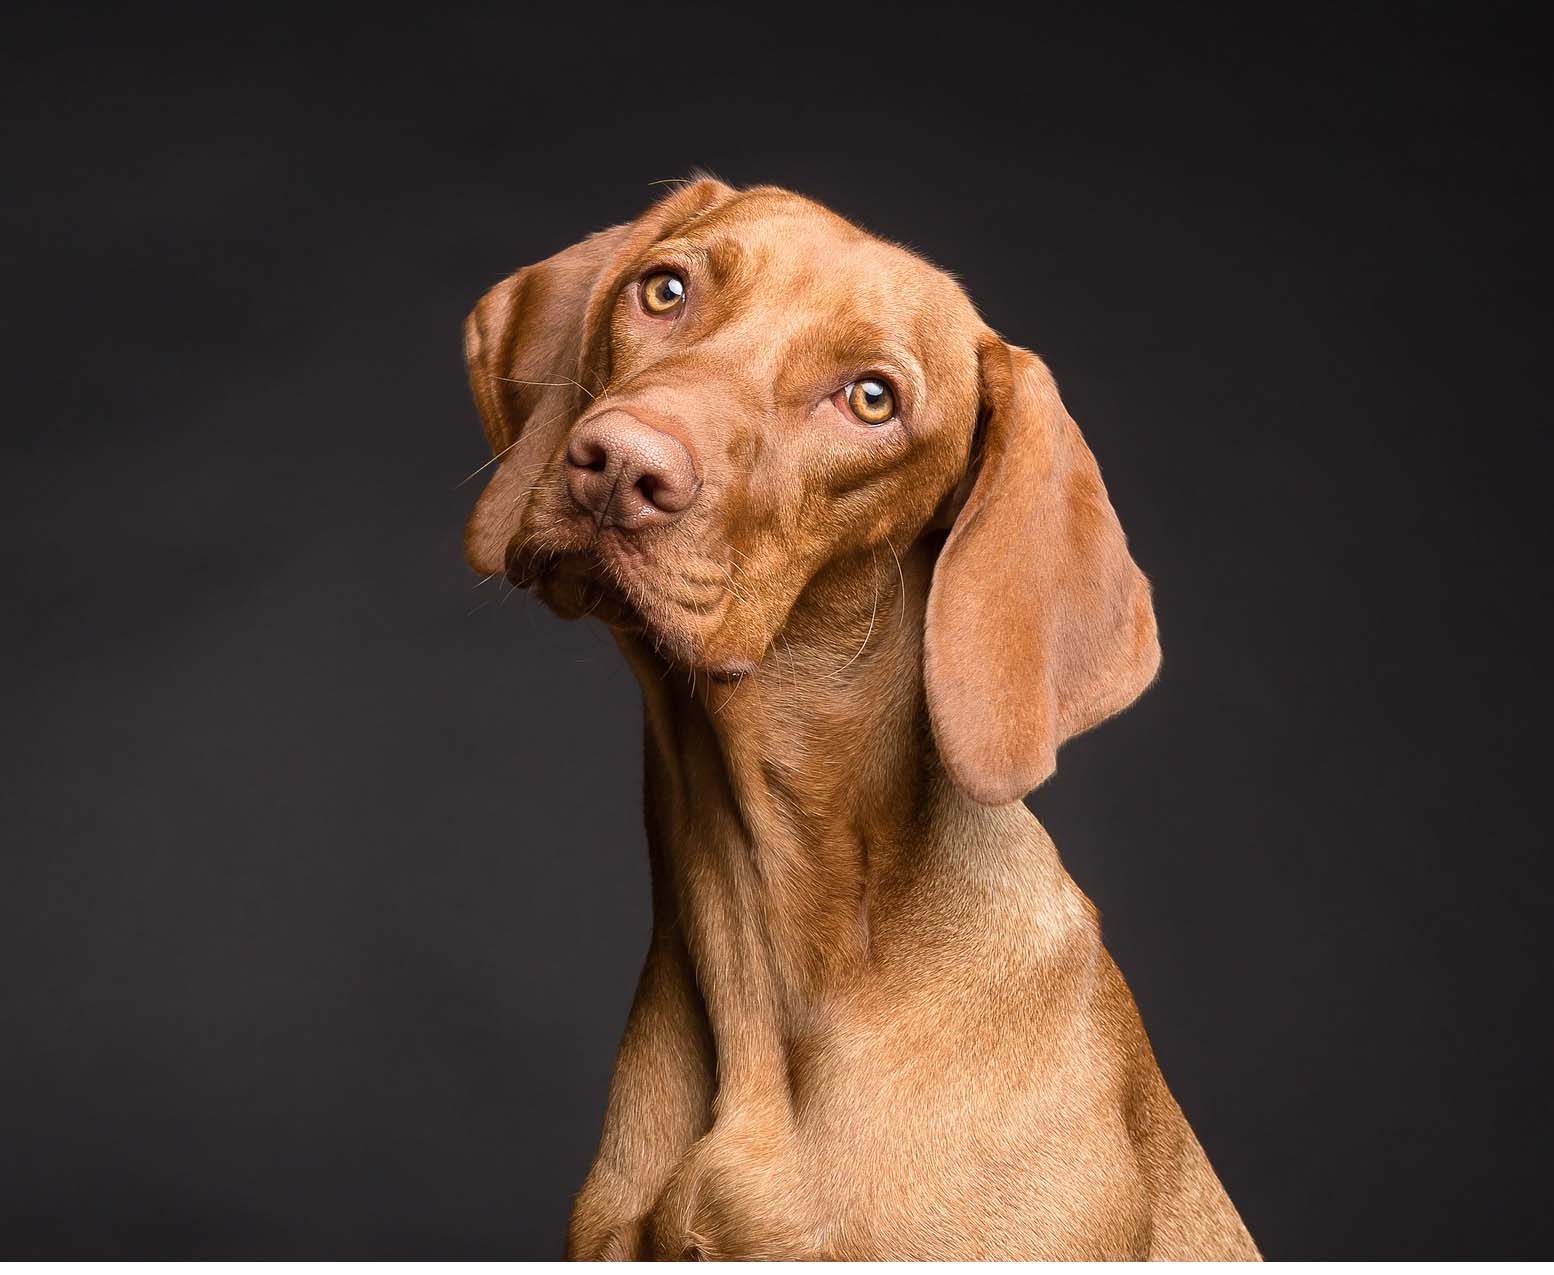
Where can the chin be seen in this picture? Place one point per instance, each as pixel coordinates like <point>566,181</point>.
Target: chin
<point>677,632</point>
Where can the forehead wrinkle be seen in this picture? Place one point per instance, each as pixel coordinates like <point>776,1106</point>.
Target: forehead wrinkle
<point>826,348</point>
<point>725,260</point>
<point>679,253</point>
<point>728,262</point>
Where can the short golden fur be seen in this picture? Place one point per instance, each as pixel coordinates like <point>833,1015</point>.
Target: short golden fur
<point>876,1019</point>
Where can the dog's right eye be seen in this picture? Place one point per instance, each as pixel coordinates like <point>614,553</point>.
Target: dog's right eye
<point>663,293</point>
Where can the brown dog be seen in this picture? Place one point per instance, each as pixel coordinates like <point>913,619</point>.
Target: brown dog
<point>865,569</point>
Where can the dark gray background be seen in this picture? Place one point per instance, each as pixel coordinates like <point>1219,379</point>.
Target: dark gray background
<point>323,889</point>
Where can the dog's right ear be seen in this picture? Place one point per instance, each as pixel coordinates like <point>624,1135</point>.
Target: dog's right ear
<point>524,348</point>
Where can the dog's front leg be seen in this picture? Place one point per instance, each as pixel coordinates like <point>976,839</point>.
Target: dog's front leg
<point>660,1103</point>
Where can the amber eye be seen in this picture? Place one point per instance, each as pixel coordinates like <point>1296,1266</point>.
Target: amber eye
<point>871,401</point>
<point>663,293</point>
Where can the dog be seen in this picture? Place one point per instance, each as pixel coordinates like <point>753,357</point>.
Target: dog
<point>864,567</point>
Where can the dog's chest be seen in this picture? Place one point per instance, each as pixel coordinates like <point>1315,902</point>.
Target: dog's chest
<point>861,1170</point>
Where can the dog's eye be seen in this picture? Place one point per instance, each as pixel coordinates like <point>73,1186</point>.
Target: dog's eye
<point>871,401</point>
<point>663,293</point>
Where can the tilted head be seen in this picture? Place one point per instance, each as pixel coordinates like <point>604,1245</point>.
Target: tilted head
<point>745,377</point>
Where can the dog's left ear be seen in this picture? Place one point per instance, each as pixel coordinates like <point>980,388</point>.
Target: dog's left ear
<point>1039,623</point>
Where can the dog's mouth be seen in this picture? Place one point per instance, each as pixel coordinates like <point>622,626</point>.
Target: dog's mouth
<point>611,581</point>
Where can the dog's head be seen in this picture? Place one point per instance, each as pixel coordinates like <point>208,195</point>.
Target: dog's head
<point>697,416</point>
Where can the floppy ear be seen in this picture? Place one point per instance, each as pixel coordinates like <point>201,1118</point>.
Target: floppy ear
<point>1039,623</point>
<point>524,348</point>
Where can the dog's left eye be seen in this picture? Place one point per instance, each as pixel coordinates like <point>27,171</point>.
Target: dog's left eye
<point>870,400</point>
<point>663,293</point>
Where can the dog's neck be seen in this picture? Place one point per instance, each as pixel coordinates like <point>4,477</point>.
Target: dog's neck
<point>788,813</point>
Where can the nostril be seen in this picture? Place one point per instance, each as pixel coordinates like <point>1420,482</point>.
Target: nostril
<point>629,472</point>
<point>585,453</point>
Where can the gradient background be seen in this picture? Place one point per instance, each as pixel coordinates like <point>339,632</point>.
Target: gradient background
<point>323,890</point>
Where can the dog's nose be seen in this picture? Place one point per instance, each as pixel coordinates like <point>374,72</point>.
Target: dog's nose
<point>628,474</point>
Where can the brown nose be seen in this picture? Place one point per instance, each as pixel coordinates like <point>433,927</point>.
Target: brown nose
<point>628,474</point>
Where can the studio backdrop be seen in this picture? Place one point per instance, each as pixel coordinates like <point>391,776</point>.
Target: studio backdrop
<point>324,887</point>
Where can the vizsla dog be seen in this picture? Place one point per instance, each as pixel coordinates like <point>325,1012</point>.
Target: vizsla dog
<point>866,572</point>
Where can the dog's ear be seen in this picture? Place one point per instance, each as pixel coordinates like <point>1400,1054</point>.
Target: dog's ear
<point>524,345</point>
<point>1039,623</point>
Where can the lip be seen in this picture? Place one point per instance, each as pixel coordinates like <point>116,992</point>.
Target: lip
<point>591,581</point>
<point>594,592</point>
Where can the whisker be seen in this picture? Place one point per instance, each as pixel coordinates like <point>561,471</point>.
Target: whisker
<point>731,589</point>
<point>528,491</point>
<point>787,650</point>
<point>875,558</point>
<point>509,447</point>
<point>498,456</point>
<point>900,575</point>
<point>732,691</point>
<point>554,385</point>
<point>528,540</point>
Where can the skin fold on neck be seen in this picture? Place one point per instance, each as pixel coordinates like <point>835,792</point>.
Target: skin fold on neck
<point>789,812</point>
